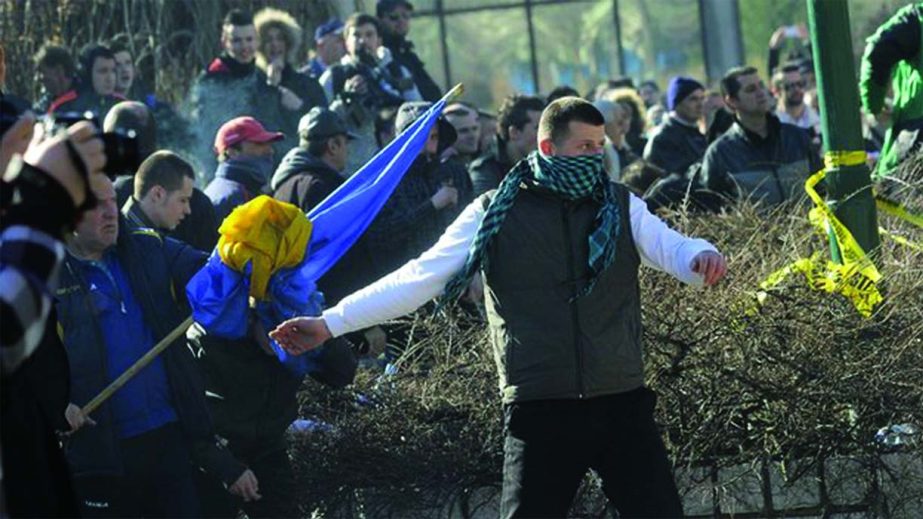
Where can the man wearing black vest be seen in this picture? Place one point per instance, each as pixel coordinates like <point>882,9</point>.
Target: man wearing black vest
<point>563,245</point>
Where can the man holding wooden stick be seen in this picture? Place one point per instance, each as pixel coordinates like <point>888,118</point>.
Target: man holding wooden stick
<point>133,455</point>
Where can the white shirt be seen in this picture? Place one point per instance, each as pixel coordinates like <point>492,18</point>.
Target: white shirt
<point>425,277</point>
<point>809,119</point>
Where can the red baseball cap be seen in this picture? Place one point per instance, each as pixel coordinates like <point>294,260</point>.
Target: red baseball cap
<point>241,129</point>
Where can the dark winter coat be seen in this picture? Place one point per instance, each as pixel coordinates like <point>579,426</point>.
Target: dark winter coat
<point>158,270</point>
<point>743,165</point>
<point>675,146</point>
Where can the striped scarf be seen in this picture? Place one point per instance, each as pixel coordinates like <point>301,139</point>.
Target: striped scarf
<point>570,177</point>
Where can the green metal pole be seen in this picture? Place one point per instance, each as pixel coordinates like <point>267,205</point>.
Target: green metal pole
<point>848,187</point>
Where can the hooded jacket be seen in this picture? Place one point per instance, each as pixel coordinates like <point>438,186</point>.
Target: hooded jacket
<point>236,182</point>
<point>894,55</point>
<point>301,84</point>
<point>305,180</point>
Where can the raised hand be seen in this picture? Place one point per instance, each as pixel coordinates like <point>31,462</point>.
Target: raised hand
<point>445,197</point>
<point>301,334</point>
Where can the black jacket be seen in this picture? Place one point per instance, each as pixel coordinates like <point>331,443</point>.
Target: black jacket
<point>675,146</point>
<point>37,479</point>
<point>743,165</point>
<point>409,223</point>
<point>251,395</point>
<point>402,52</point>
<point>199,228</point>
<point>303,179</point>
<point>488,170</point>
<point>305,87</point>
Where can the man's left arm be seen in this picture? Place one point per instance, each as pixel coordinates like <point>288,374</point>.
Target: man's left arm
<point>691,260</point>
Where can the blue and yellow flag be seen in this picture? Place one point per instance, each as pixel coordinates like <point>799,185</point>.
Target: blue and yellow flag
<point>260,240</point>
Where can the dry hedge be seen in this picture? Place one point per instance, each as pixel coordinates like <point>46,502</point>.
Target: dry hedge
<point>803,379</point>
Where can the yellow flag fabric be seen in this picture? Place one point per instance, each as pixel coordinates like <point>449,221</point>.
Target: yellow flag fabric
<point>267,233</point>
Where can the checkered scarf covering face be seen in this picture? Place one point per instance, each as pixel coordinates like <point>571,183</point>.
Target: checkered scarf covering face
<point>570,177</point>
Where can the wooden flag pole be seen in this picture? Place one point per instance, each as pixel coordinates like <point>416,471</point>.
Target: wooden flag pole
<point>136,367</point>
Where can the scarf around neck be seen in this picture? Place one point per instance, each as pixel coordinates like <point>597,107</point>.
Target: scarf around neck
<point>571,178</point>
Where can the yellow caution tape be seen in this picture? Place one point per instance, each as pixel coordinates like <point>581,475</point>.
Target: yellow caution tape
<point>856,278</point>
<point>841,159</point>
<point>898,210</point>
<point>900,239</point>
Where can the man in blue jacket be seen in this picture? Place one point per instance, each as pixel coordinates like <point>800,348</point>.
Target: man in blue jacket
<point>134,455</point>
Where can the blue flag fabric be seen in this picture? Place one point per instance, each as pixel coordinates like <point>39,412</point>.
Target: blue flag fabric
<point>219,294</point>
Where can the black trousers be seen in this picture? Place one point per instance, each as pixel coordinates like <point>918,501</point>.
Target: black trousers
<point>273,471</point>
<point>550,444</point>
<point>157,480</point>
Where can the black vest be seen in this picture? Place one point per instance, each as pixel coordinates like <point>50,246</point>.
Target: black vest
<point>545,346</point>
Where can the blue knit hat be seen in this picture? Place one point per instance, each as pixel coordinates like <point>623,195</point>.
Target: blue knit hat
<point>332,26</point>
<point>680,87</point>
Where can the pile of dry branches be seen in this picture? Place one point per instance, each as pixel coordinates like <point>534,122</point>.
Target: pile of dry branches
<point>799,378</point>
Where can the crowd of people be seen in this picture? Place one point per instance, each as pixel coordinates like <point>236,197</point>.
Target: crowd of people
<point>556,193</point>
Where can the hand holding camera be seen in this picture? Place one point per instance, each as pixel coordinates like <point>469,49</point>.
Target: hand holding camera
<point>54,157</point>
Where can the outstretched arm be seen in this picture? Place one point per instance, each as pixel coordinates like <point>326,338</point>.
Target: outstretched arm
<point>394,295</point>
<point>691,260</point>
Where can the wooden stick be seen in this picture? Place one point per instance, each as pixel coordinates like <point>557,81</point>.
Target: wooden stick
<point>136,367</point>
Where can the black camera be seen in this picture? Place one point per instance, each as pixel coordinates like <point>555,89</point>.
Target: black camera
<point>121,147</point>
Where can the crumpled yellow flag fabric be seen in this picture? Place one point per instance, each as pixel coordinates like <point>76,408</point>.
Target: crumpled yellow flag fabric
<point>271,234</point>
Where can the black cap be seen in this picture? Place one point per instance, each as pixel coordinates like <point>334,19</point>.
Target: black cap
<point>321,123</point>
<point>413,110</point>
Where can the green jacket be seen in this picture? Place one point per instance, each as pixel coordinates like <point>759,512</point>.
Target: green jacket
<point>894,54</point>
<point>545,346</point>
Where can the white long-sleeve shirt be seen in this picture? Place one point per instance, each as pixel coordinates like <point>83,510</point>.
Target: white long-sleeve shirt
<point>425,277</point>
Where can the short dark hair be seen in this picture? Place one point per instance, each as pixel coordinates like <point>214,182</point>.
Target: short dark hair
<point>88,56</point>
<point>561,91</point>
<point>55,56</point>
<point>120,43</point>
<point>238,18</point>
<point>514,111</point>
<point>640,175</point>
<point>558,115</point>
<point>359,19</point>
<point>163,168</point>
<point>730,83</point>
<point>649,83</point>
